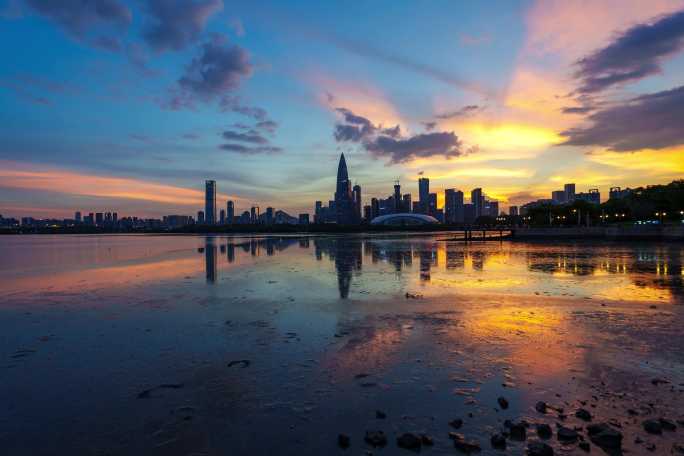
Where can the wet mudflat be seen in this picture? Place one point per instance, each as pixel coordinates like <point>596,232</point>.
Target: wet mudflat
<point>115,345</point>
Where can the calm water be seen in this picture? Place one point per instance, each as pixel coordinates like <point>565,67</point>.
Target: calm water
<point>244,345</point>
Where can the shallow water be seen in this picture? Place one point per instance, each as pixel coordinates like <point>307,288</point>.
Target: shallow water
<point>130,344</point>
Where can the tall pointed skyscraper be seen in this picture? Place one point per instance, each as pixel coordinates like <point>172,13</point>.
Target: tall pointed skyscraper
<point>344,203</point>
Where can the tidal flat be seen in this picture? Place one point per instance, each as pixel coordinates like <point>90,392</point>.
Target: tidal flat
<point>350,344</point>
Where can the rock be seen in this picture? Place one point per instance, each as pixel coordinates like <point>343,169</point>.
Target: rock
<point>375,438</point>
<point>463,445</point>
<point>148,392</point>
<point>544,431</point>
<point>541,407</point>
<point>652,426</point>
<point>666,424</point>
<point>240,362</point>
<point>583,414</point>
<point>409,441</point>
<point>456,424</point>
<point>379,414</point>
<point>517,431</point>
<point>498,441</point>
<point>426,440</point>
<point>650,446</point>
<point>659,381</point>
<point>566,434</point>
<point>585,446</point>
<point>605,436</point>
<point>678,448</point>
<point>343,441</point>
<point>503,403</point>
<point>539,449</point>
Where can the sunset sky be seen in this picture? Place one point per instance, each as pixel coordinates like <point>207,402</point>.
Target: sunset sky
<point>128,106</point>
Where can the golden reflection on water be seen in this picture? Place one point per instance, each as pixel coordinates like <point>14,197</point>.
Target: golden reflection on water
<point>424,265</point>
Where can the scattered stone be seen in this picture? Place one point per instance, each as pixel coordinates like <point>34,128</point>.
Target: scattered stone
<point>409,441</point>
<point>544,431</point>
<point>343,441</point>
<point>541,407</point>
<point>659,381</point>
<point>503,403</point>
<point>517,431</point>
<point>456,424</point>
<point>666,424</point>
<point>375,438</point>
<point>426,440</point>
<point>632,412</point>
<point>652,426</point>
<point>678,448</point>
<point>650,446</point>
<point>148,392</point>
<point>498,441</point>
<point>379,414</point>
<point>241,362</point>
<point>583,414</point>
<point>585,446</point>
<point>463,445</point>
<point>605,436</point>
<point>539,449</point>
<point>566,434</point>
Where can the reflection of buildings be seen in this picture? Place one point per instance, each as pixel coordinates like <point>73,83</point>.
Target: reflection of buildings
<point>210,259</point>
<point>347,254</point>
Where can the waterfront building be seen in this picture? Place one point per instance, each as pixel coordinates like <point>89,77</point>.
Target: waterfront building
<point>356,194</point>
<point>222,218</point>
<point>230,212</point>
<point>424,194</point>
<point>477,200</point>
<point>453,206</point>
<point>344,203</point>
<point>303,219</point>
<point>569,190</point>
<point>432,204</point>
<point>558,196</point>
<point>200,217</point>
<point>77,217</point>
<point>269,216</point>
<point>592,196</point>
<point>210,202</point>
<point>406,203</point>
<point>375,208</point>
<point>513,211</point>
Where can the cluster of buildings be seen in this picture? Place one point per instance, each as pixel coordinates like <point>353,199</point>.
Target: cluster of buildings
<point>347,208</point>
<point>211,215</point>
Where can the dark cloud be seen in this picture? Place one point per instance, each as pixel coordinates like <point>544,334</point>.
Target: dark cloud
<point>577,109</point>
<point>652,121</point>
<point>463,112</point>
<point>267,125</point>
<point>247,150</point>
<point>250,137</point>
<point>234,104</point>
<point>79,17</point>
<point>421,145</point>
<point>388,142</point>
<point>177,23</point>
<point>429,126</point>
<point>633,55</point>
<point>218,69</point>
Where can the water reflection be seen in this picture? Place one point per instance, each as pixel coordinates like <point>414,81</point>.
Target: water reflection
<point>638,272</point>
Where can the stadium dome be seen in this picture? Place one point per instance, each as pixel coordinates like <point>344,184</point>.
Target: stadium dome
<point>404,219</point>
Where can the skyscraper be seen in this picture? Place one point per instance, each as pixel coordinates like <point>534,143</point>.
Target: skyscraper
<point>200,217</point>
<point>453,206</point>
<point>424,194</point>
<point>77,216</point>
<point>210,202</point>
<point>477,200</point>
<point>397,198</point>
<point>406,203</point>
<point>432,204</point>
<point>222,217</point>
<point>375,208</point>
<point>356,193</point>
<point>230,212</point>
<point>344,204</point>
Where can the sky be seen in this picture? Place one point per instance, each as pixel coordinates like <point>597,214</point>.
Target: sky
<point>129,106</point>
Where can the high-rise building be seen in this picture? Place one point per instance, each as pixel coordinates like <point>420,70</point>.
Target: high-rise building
<point>77,217</point>
<point>367,213</point>
<point>453,206</point>
<point>344,203</point>
<point>210,202</point>
<point>569,190</point>
<point>230,212</point>
<point>269,216</point>
<point>469,214</point>
<point>432,204</point>
<point>253,215</point>
<point>593,196</point>
<point>406,203</point>
<point>397,198</point>
<point>493,209</point>
<point>222,218</point>
<point>356,193</point>
<point>115,217</point>
<point>303,219</point>
<point>424,194</point>
<point>375,208</point>
<point>477,200</point>
<point>200,217</point>
<point>99,218</point>
<point>318,212</point>
<point>513,211</point>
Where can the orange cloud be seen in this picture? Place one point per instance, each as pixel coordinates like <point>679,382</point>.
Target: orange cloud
<point>54,180</point>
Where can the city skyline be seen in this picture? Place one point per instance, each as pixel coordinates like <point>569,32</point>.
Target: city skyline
<point>132,107</point>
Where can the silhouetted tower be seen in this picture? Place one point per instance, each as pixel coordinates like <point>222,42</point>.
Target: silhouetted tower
<point>210,202</point>
<point>344,204</point>
<point>397,197</point>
